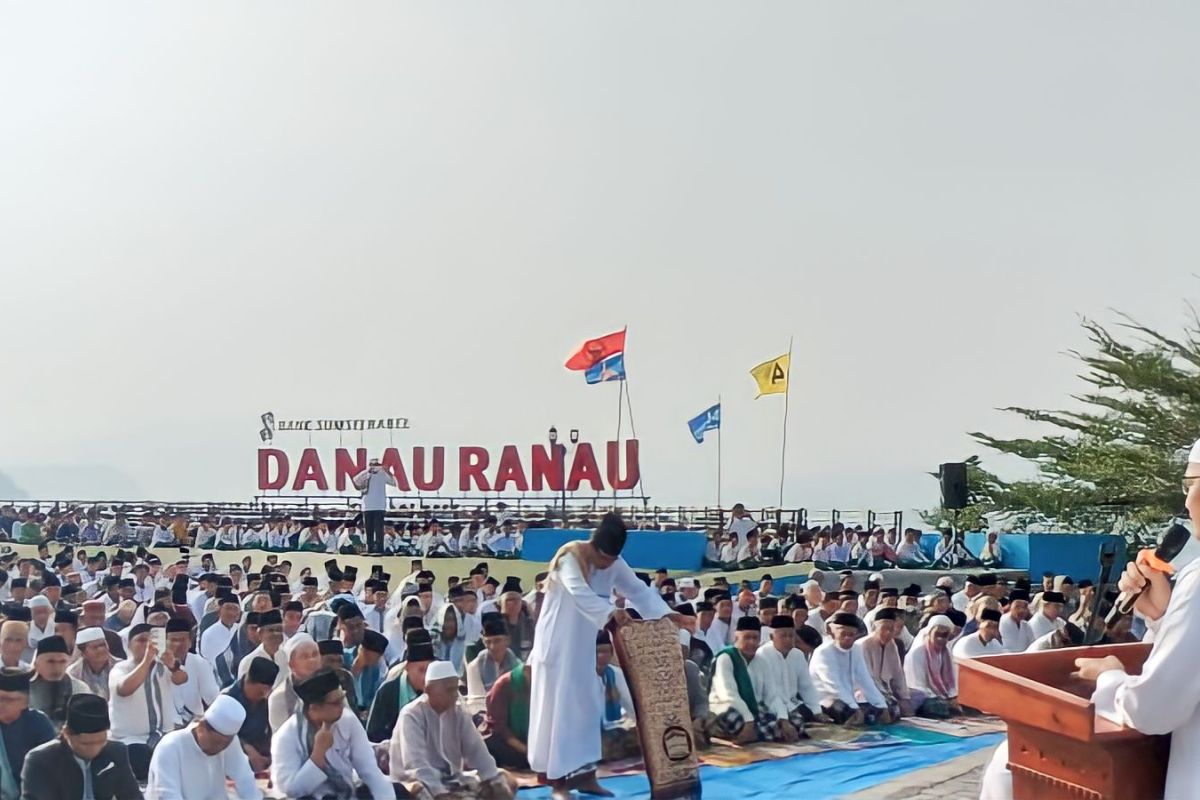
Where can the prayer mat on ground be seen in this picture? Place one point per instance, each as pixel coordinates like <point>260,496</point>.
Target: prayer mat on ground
<point>828,775</point>
<point>652,660</point>
<point>961,727</point>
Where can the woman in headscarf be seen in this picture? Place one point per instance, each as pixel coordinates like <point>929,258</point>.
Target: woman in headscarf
<point>929,670</point>
<point>449,639</point>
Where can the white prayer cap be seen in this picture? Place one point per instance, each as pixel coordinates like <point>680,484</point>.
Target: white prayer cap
<point>89,635</point>
<point>225,715</point>
<point>688,583</point>
<point>300,638</point>
<point>877,577</point>
<point>685,638</point>
<point>940,620</point>
<point>1195,454</point>
<point>946,582</point>
<point>40,601</point>
<point>438,671</point>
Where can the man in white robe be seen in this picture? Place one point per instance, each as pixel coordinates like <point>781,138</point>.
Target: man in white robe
<point>737,697</point>
<point>1049,617</point>
<point>962,598</point>
<point>565,723</point>
<point>194,763</point>
<point>1015,633</point>
<point>217,642</point>
<point>1165,697</point>
<point>323,749</point>
<point>437,747</point>
<point>930,671</point>
<point>839,671</point>
<point>790,692</point>
<point>270,631</point>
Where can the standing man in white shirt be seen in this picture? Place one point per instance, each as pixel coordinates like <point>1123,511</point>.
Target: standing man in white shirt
<point>373,483</point>
<point>740,524</point>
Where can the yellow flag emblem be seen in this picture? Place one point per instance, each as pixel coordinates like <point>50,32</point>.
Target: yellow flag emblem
<point>772,376</point>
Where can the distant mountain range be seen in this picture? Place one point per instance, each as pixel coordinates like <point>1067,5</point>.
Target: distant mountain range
<point>9,489</point>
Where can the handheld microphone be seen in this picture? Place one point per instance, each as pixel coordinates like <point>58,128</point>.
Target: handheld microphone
<point>1158,559</point>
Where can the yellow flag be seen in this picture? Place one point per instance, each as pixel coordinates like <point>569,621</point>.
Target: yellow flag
<point>772,376</point>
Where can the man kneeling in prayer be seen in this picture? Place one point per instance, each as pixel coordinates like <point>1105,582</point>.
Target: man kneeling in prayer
<point>436,750</point>
<point>737,697</point>
<point>883,661</point>
<point>790,692</point>
<point>618,737</point>
<point>840,673</point>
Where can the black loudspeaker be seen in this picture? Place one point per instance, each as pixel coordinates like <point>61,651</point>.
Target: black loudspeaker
<point>953,478</point>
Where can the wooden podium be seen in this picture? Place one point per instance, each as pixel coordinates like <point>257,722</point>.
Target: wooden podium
<point>1057,746</point>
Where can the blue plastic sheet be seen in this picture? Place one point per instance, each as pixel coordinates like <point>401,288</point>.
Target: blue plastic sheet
<point>813,776</point>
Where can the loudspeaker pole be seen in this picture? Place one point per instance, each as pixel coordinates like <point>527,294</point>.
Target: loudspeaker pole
<point>787,391</point>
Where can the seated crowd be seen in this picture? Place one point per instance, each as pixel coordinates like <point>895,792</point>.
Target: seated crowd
<point>745,544</point>
<point>183,679</point>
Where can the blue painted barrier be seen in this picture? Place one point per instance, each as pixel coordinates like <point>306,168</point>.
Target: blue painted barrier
<point>644,550</point>
<point>1074,554</point>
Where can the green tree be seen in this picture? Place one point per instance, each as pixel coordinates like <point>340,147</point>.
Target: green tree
<point>1116,461</point>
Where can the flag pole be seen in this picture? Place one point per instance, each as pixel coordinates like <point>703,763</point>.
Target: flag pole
<point>722,412</point>
<point>620,391</point>
<point>787,390</point>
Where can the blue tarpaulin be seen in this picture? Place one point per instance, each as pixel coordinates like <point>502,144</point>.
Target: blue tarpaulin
<point>813,776</point>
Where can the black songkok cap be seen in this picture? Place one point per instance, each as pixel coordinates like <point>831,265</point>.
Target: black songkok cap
<point>272,617</point>
<point>178,625</point>
<point>494,627</point>
<point>610,537</point>
<point>887,614</point>
<point>375,641</point>
<point>749,624</point>
<point>68,617</point>
<point>844,618</point>
<point>989,615</point>
<point>52,644</point>
<point>348,611</point>
<point>87,713</point>
<point>318,686</point>
<point>263,670</point>
<point>420,646</point>
<point>329,647</point>
<point>13,679</point>
<point>782,621</point>
<point>768,602</point>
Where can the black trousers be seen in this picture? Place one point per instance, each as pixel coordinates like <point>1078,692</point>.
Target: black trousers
<point>373,522</point>
<point>139,760</point>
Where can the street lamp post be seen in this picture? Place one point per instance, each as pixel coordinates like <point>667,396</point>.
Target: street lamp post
<point>562,472</point>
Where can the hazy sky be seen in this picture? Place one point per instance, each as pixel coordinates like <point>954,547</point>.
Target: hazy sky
<point>212,210</point>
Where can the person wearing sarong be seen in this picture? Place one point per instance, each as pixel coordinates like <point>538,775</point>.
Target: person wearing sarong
<point>738,692</point>
<point>618,738</point>
<point>790,693</point>
<point>929,670</point>
<point>495,660</point>
<point>508,718</point>
<point>322,751</point>
<point>51,687</point>
<point>436,751</point>
<point>405,682</point>
<point>882,655</point>
<point>840,674</point>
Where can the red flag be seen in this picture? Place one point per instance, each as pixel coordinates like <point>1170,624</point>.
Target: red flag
<point>593,351</point>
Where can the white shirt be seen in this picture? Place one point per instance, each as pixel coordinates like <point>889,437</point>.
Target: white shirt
<point>973,647</point>
<point>843,675</point>
<point>788,682</point>
<point>1016,636</point>
<point>259,652</point>
<point>130,715</point>
<point>1041,625</point>
<point>723,694</point>
<point>294,774</point>
<point>200,690</point>
<point>911,551</point>
<point>180,770</point>
<point>373,486</point>
<point>741,527</point>
<point>960,601</point>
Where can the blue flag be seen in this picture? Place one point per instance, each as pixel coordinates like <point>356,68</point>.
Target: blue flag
<point>707,420</point>
<point>610,369</point>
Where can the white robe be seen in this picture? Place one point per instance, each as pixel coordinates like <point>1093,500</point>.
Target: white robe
<point>916,672</point>
<point>723,694</point>
<point>843,675</point>
<point>1165,698</point>
<point>294,774</point>
<point>972,647</point>
<point>180,770</point>
<point>200,691</point>
<point>130,715</point>
<point>1042,625</point>
<point>788,683</point>
<point>280,660</point>
<point>1016,638</point>
<point>564,725</point>
<point>437,749</point>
